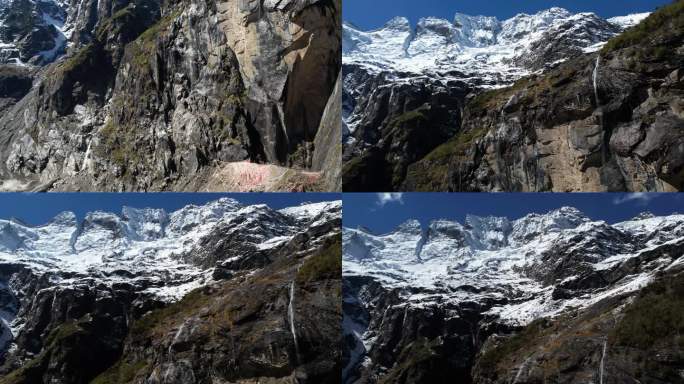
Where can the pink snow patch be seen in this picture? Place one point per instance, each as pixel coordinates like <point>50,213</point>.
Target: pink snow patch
<point>247,177</point>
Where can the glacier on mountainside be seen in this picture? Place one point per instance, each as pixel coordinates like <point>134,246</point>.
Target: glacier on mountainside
<point>476,49</point>
<point>149,245</point>
<point>522,260</point>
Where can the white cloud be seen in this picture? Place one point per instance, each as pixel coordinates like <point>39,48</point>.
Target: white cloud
<point>641,198</point>
<point>386,198</point>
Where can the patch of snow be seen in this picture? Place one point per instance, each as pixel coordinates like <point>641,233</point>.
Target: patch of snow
<point>594,48</point>
<point>60,39</point>
<point>629,21</point>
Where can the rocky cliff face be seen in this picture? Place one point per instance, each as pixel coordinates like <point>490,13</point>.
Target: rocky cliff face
<point>184,96</point>
<point>546,298</point>
<point>616,341</point>
<point>148,296</point>
<point>584,117</point>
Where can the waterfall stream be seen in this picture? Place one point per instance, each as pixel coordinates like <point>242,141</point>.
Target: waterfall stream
<point>595,76</point>
<point>521,368</point>
<point>290,313</point>
<point>599,112</point>
<point>86,156</point>
<point>603,357</point>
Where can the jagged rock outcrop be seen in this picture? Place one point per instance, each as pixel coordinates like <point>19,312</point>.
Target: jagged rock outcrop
<point>401,123</point>
<point>582,118</point>
<point>154,297</point>
<point>180,96</point>
<point>555,298</point>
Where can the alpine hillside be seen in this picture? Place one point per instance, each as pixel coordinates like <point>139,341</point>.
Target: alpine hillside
<point>152,95</point>
<point>547,298</point>
<point>553,101</point>
<point>219,293</point>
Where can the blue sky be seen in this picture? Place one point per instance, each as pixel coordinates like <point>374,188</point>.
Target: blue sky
<point>38,209</point>
<point>373,14</point>
<point>383,212</point>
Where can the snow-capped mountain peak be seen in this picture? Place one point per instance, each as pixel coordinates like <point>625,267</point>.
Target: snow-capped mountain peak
<point>410,227</point>
<point>643,216</point>
<point>145,224</point>
<point>152,242</point>
<point>530,255</point>
<point>493,51</point>
<point>66,218</point>
<point>476,31</point>
<point>523,25</point>
<point>399,23</point>
<point>192,216</point>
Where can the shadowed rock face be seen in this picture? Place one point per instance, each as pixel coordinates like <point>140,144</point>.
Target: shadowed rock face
<point>584,125</point>
<point>15,83</point>
<point>159,97</point>
<point>327,147</point>
<point>401,124</point>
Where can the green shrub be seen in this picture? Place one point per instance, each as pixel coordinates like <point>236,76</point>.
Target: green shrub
<point>121,373</point>
<point>533,332</point>
<point>156,319</point>
<point>417,353</point>
<point>432,172</point>
<point>77,60</point>
<point>457,145</point>
<point>142,49</point>
<point>414,115</point>
<point>668,19</point>
<point>113,25</point>
<point>31,372</point>
<point>657,315</point>
<point>118,143</point>
<point>325,265</point>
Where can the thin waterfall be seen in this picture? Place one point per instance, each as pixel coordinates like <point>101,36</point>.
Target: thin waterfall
<point>86,156</point>
<point>521,368</point>
<point>606,135</point>
<point>603,357</point>
<point>403,322</point>
<point>596,70</point>
<point>290,313</point>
